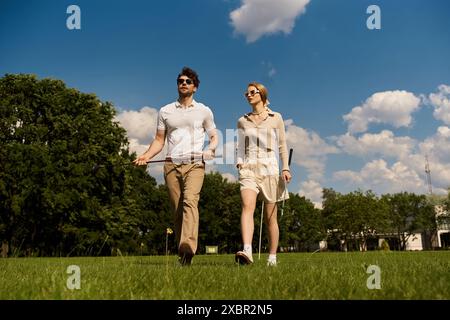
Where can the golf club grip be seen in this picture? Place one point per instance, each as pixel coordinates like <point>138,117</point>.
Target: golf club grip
<point>156,161</point>
<point>290,156</point>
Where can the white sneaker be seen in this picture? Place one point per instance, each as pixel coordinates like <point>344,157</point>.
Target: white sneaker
<point>243,258</point>
<point>271,263</point>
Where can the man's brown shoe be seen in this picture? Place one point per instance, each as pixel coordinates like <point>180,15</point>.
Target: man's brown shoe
<point>185,255</point>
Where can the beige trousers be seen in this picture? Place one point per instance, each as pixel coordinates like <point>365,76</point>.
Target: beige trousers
<point>184,182</point>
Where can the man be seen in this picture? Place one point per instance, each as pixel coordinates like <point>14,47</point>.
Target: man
<point>184,124</point>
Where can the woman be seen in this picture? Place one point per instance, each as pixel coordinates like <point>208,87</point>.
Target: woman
<point>259,133</point>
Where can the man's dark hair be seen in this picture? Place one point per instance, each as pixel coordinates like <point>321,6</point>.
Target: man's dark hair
<point>191,74</point>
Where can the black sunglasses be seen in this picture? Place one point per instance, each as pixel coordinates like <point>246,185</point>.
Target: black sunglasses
<point>188,81</point>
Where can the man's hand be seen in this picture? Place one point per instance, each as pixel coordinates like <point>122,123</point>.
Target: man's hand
<point>141,160</point>
<point>208,154</point>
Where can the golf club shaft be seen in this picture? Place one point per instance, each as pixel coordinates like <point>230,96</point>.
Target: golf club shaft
<point>177,159</point>
<point>201,158</point>
<point>285,186</point>
<point>97,166</point>
<point>260,231</point>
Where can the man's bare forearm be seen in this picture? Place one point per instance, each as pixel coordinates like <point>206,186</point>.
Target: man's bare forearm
<point>213,141</point>
<point>155,147</point>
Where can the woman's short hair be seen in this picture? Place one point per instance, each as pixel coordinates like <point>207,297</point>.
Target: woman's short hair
<point>262,91</point>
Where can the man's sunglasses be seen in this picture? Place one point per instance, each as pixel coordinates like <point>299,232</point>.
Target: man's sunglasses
<point>251,93</point>
<point>188,81</point>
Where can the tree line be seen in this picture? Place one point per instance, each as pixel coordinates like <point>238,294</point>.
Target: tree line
<point>67,189</point>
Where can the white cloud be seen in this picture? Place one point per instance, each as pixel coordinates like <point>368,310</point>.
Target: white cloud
<point>441,103</point>
<point>440,171</point>
<point>272,72</point>
<point>230,177</point>
<point>390,107</point>
<point>270,69</point>
<point>438,145</point>
<point>383,143</point>
<point>310,150</point>
<point>256,18</point>
<point>136,146</point>
<point>349,176</point>
<point>379,177</point>
<point>141,124</point>
<point>312,190</point>
<point>141,128</point>
<point>408,171</point>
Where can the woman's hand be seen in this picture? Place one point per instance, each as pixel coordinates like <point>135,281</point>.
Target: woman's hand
<point>286,176</point>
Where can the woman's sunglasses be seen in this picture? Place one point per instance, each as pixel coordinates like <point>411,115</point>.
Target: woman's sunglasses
<point>251,93</point>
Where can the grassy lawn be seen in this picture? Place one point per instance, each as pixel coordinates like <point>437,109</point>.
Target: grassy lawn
<point>404,275</point>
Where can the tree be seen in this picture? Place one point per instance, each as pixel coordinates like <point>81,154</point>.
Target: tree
<point>301,226</point>
<point>330,219</point>
<point>408,214</point>
<point>63,186</point>
<point>444,202</point>
<point>353,218</point>
<point>220,212</point>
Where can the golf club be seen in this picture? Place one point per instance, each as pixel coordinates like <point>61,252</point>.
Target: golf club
<point>260,231</point>
<point>285,185</point>
<point>176,160</point>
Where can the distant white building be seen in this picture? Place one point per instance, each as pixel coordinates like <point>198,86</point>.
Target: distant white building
<point>415,242</point>
<point>443,230</point>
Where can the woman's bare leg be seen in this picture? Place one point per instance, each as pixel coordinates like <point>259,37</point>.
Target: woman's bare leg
<point>270,215</point>
<point>248,197</point>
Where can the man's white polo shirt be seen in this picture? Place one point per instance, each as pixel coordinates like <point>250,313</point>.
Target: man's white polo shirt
<point>185,128</point>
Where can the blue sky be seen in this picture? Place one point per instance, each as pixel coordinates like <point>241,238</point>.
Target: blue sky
<point>317,58</point>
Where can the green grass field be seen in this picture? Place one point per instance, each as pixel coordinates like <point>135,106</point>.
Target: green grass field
<point>404,275</point>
